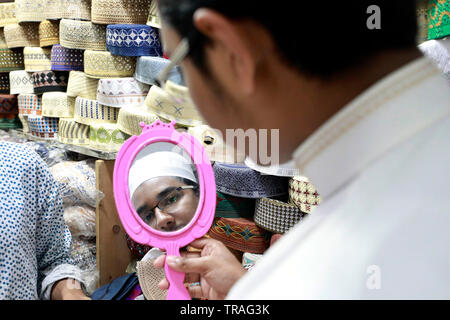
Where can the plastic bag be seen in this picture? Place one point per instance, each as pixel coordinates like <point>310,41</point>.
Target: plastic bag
<point>11,136</point>
<point>90,277</point>
<point>50,153</point>
<point>81,221</point>
<point>84,255</point>
<point>77,182</point>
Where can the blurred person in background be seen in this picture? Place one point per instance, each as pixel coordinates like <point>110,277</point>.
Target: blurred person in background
<point>35,260</point>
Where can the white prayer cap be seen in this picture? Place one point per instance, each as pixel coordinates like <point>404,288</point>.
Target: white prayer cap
<point>151,165</point>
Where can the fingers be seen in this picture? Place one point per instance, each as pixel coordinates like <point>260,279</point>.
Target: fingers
<point>195,265</point>
<point>159,262</point>
<point>163,284</point>
<point>201,243</point>
<point>192,277</point>
<point>195,291</point>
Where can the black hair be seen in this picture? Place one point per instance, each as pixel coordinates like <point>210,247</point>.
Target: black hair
<point>319,38</point>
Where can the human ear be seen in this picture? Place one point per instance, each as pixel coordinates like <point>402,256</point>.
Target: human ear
<point>229,40</point>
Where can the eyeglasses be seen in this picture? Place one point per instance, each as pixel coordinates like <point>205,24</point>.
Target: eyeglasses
<point>169,204</point>
<point>180,52</point>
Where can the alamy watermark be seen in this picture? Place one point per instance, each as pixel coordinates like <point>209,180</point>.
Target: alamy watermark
<point>262,145</point>
<point>374,20</point>
<point>373,281</point>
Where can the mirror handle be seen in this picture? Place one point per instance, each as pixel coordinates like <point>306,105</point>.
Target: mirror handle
<point>177,290</point>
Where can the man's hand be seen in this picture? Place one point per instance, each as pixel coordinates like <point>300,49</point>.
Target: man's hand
<point>68,289</point>
<point>215,267</point>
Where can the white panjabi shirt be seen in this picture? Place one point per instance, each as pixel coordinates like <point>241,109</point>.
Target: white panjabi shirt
<point>382,167</point>
<point>439,51</point>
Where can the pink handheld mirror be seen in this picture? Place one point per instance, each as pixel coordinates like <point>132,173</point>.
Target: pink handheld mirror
<point>165,193</point>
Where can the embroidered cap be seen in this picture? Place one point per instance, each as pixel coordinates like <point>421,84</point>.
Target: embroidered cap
<point>48,33</point>
<point>44,81</point>
<point>148,69</point>
<point>133,40</point>
<point>54,9</point>
<point>8,104</point>
<point>106,137</point>
<point>240,181</point>
<point>9,121</point>
<point>130,118</point>
<point>30,104</point>
<point>149,277</point>
<point>90,111</point>
<point>57,105</point>
<point>22,35</point>
<point>43,127</point>
<point>72,132</point>
<point>174,104</point>
<point>438,19</point>
<point>303,194</point>
<point>234,207</point>
<point>7,13</point>
<point>102,64</point>
<point>65,59</point>
<point>81,85</point>
<point>21,82</point>
<point>4,84</point>
<point>11,60</point>
<point>83,35</point>
<point>153,19</point>
<point>276,216</point>
<point>119,92</point>
<point>43,124</point>
<point>240,234</point>
<point>120,11</point>
<point>77,9</point>
<point>29,10</point>
<point>37,59</point>
<point>159,160</point>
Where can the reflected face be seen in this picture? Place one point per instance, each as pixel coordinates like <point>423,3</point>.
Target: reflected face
<point>165,203</point>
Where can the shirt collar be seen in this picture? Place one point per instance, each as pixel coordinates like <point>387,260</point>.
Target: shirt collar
<point>388,113</point>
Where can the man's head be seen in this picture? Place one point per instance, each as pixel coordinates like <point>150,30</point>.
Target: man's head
<point>163,187</point>
<point>166,203</point>
<point>267,64</point>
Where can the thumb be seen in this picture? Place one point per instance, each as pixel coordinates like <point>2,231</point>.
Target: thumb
<point>189,265</point>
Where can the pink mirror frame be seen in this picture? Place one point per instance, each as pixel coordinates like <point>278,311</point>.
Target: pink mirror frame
<point>138,230</point>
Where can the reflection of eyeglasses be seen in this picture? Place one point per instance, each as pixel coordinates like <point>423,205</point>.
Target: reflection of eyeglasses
<point>180,52</point>
<point>169,204</point>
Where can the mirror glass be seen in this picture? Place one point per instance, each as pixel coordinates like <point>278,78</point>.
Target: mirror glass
<point>164,187</point>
